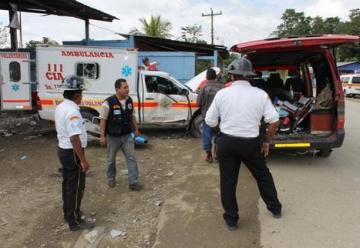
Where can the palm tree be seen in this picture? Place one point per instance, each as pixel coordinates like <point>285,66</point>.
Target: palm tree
<point>156,27</point>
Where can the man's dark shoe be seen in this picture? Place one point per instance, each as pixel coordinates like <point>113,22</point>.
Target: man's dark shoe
<point>111,184</point>
<point>135,186</point>
<point>81,216</point>
<point>82,226</point>
<point>232,227</point>
<point>209,157</point>
<point>277,215</point>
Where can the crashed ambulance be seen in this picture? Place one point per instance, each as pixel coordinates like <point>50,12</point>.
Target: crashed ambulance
<point>159,99</point>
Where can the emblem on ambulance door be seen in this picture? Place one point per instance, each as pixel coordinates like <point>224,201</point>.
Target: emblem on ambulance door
<point>165,103</point>
<point>15,87</point>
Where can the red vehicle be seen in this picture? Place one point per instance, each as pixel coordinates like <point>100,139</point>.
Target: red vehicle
<point>301,77</point>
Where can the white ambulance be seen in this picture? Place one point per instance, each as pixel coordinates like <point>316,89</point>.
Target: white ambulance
<point>160,99</point>
<point>351,84</point>
<point>15,81</point>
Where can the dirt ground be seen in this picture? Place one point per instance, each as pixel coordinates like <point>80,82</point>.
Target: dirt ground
<point>179,207</point>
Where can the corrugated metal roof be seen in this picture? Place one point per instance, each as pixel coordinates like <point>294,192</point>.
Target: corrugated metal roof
<point>70,8</point>
<point>146,43</point>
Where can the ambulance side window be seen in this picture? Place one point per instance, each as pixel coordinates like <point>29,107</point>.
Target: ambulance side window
<point>345,80</point>
<point>14,71</point>
<point>88,70</point>
<point>161,85</point>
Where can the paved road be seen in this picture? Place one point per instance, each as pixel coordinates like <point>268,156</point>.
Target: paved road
<point>321,198</point>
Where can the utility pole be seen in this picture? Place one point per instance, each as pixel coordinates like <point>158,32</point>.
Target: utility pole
<point>212,14</point>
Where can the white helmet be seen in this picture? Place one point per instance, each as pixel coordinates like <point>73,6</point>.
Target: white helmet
<point>241,66</point>
<point>73,82</point>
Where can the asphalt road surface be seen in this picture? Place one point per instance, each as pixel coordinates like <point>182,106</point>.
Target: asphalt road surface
<point>321,196</point>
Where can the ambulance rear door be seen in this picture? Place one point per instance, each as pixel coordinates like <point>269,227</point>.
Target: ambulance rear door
<point>15,81</point>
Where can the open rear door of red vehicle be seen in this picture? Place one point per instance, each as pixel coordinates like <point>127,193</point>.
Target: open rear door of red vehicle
<point>294,43</point>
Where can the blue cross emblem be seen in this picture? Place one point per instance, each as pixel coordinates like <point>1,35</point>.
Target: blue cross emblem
<point>15,87</point>
<point>126,71</point>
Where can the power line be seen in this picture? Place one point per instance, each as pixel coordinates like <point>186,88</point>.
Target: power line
<point>106,29</point>
<point>212,14</point>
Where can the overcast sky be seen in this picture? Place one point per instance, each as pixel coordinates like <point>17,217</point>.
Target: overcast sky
<point>241,20</point>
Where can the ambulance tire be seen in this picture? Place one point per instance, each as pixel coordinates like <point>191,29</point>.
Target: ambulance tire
<point>196,126</point>
<point>324,153</point>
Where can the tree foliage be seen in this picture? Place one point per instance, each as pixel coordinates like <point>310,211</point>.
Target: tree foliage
<point>4,37</point>
<point>296,23</point>
<point>293,23</point>
<point>44,41</point>
<point>155,27</point>
<point>331,25</point>
<point>192,33</point>
<point>230,59</point>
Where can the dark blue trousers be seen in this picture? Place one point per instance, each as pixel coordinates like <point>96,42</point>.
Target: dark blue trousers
<point>231,151</point>
<point>73,185</point>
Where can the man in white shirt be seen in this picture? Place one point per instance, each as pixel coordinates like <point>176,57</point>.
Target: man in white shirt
<point>238,111</point>
<point>72,137</point>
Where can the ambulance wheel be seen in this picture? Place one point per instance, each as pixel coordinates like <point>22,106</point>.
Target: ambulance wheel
<point>324,153</point>
<point>197,127</point>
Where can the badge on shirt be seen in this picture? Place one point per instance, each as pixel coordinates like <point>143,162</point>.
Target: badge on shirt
<point>129,106</point>
<point>75,122</point>
<point>117,112</point>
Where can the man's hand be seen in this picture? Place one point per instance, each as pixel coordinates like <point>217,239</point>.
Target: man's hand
<point>84,166</point>
<point>102,140</point>
<point>265,149</point>
<point>136,132</point>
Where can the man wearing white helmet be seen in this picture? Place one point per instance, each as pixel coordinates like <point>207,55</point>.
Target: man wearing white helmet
<point>72,137</point>
<point>238,111</point>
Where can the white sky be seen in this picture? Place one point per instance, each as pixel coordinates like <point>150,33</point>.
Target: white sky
<point>242,20</point>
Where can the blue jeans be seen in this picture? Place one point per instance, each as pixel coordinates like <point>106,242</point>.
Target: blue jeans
<point>207,136</point>
<point>126,144</point>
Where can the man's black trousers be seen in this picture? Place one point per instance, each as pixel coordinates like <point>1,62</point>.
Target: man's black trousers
<point>231,151</point>
<point>73,185</point>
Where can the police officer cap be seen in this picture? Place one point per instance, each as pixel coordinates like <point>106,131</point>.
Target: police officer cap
<point>241,66</point>
<point>73,83</point>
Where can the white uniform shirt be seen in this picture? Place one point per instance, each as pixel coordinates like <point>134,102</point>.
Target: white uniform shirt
<point>240,108</point>
<point>68,122</point>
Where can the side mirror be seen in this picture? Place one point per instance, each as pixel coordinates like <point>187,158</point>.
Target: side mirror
<point>184,92</point>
